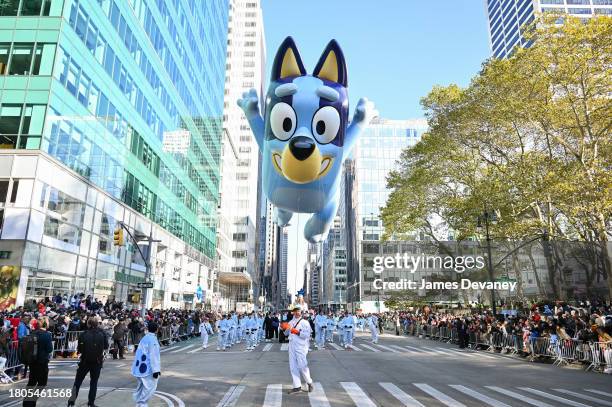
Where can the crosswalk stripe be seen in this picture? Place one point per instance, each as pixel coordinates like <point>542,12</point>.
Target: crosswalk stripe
<point>231,396</point>
<point>399,348</point>
<point>420,350</point>
<point>553,397</point>
<point>274,395</point>
<point>479,396</point>
<point>387,348</point>
<point>317,396</point>
<point>441,352</point>
<point>335,346</point>
<point>406,399</point>
<point>463,353</point>
<point>167,349</point>
<point>582,396</point>
<point>357,395</point>
<point>370,348</point>
<point>443,398</point>
<point>182,349</point>
<point>521,397</point>
<point>267,347</point>
<point>480,354</point>
<point>603,393</point>
<point>285,346</point>
<point>355,348</point>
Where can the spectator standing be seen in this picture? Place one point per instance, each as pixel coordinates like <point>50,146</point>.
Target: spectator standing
<point>92,344</point>
<point>119,334</point>
<point>36,352</point>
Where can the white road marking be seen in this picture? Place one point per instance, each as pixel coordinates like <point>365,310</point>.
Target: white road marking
<point>231,397</point>
<point>603,393</point>
<point>387,348</point>
<point>437,351</point>
<point>182,349</point>
<point>443,398</point>
<point>355,348</point>
<point>317,396</point>
<point>458,352</point>
<point>582,396</point>
<point>357,395</point>
<point>267,347</point>
<point>285,346</point>
<point>274,395</point>
<point>399,348</point>
<point>479,396</point>
<point>333,345</point>
<point>553,397</point>
<point>399,394</point>
<point>521,397</point>
<point>369,347</point>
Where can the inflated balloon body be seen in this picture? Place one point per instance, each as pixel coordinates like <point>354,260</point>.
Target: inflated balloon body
<point>305,135</point>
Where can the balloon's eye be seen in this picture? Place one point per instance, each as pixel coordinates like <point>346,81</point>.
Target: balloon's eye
<point>325,124</point>
<point>282,121</point>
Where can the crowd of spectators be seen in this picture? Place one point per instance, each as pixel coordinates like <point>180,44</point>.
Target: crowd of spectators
<point>65,315</point>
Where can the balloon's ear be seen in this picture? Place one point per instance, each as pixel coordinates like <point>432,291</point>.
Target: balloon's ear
<point>287,61</point>
<point>331,65</point>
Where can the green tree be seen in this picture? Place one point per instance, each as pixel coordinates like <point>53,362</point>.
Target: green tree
<point>529,137</point>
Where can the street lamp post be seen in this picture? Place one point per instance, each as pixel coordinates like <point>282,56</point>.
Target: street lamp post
<point>486,217</point>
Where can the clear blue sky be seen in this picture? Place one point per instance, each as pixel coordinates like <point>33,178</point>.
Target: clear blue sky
<point>396,51</point>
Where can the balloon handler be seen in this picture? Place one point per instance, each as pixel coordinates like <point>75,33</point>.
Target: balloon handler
<point>146,367</point>
<point>298,330</point>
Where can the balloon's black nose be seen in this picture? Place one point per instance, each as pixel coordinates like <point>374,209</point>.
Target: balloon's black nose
<point>301,147</point>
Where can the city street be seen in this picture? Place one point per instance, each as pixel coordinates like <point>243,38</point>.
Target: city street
<point>396,372</point>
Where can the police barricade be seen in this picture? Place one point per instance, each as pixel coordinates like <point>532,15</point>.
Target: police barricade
<point>446,334</point>
<point>584,354</point>
<point>433,331</point>
<point>454,336</point>
<point>496,341</point>
<point>10,365</point>
<point>540,348</point>
<point>473,339</point>
<point>565,351</point>
<point>601,356</point>
<point>66,346</point>
<point>164,335</point>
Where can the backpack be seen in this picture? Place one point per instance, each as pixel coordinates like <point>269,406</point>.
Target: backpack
<point>28,349</point>
<point>91,346</point>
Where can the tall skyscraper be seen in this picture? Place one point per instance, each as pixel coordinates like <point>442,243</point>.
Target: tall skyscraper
<point>374,156</point>
<point>111,112</point>
<point>240,167</point>
<point>508,18</point>
<point>283,264</point>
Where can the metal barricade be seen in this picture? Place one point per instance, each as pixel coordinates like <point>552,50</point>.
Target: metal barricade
<point>601,355</point>
<point>540,348</point>
<point>66,345</point>
<point>565,351</point>
<point>11,366</point>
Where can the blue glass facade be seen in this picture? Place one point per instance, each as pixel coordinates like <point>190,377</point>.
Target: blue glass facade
<point>117,79</point>
<point>508,18</point>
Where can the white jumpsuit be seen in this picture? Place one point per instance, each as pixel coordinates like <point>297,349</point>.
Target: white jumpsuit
<point>298,350</point>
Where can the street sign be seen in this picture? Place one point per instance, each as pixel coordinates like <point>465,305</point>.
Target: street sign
<point>145,285</point>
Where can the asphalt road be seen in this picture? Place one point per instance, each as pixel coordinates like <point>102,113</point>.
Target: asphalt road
<point>399,371</point>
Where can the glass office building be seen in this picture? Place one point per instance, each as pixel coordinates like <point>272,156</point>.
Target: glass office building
<point>374,156</point>
<point>111,111</point>
<point>508,18</point>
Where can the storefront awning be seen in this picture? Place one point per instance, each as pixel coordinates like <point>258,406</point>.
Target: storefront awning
<point>230,277</point>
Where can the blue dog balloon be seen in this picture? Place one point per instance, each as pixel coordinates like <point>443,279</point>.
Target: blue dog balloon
<point>305,136</point>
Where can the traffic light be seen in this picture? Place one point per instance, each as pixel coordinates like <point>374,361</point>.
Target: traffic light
<point>118,236</point>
